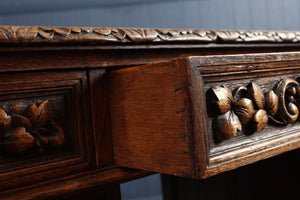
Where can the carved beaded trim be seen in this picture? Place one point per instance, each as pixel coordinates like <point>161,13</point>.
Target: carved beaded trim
<point>34,34</point>
<point>249,109</point>
<point>35,130</point>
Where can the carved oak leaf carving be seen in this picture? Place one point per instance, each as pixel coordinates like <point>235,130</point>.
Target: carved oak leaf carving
<point>20,121</point>
<point>34,34</point>
<point>256,94</point>
<point>280,106</point>
<point>220,99</point>
<point>228,36</point>
<point>24,33</point>
<point>21,133</point>
<point>228,125</point>
<point>260,119</point>
<point>272,102</point>
<point>5,120</point>
<point>62,31</point>
<point>39,133</point>
<point>102,31</point>
<point>40,115</point>
<point>244,110</point>
<point>206,35</point>
<point>46,33</point>
<point>18,141</point>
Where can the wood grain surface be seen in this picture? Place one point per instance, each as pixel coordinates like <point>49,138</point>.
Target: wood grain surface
<point>150,112</point>
<point>68,185</point>
<point>101,119</point>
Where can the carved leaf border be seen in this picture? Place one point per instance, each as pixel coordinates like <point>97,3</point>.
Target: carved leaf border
<point>40,34</point>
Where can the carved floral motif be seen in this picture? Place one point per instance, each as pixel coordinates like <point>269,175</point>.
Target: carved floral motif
<point>249,109</point>
<point>36,129</point>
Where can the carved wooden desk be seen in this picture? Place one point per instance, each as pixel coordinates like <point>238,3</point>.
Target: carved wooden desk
<point>87,107</point>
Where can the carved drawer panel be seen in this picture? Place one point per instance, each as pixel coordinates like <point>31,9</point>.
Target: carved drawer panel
<point>43,127</point>
<point>203,115</point>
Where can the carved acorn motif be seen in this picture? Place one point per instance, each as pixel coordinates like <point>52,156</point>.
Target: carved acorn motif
<point>260,119</point>
<point>5,120</point>
<point>256,94</point>
<point>293,109</point>
<point>18,141</point>
<point>220,98</point>
<point>272,102</point>
<point>40,115</point>
<point>228,125</point>
<point>244,110</point>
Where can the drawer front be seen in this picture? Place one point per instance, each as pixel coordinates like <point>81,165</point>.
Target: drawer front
<point>44,127</point>
<point>249,110</point>
<point>200,116</point>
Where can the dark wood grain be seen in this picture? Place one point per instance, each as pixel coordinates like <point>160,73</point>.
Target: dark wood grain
<point>101,119</point>
<point>52,58</point>
<point>76,183</point>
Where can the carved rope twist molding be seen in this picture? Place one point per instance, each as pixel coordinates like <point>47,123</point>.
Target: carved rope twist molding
<point>249,109</point>
<point>34,34</point>
<point>34,130</point>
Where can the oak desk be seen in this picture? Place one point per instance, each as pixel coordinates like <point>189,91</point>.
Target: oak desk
<point>83,108</point>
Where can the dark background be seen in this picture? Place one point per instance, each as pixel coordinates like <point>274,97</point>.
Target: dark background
<point>194,14</point>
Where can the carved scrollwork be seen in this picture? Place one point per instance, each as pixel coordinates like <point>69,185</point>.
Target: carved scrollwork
<point>250,109</point>
<point>35,130</point>
<point>286,91</point>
